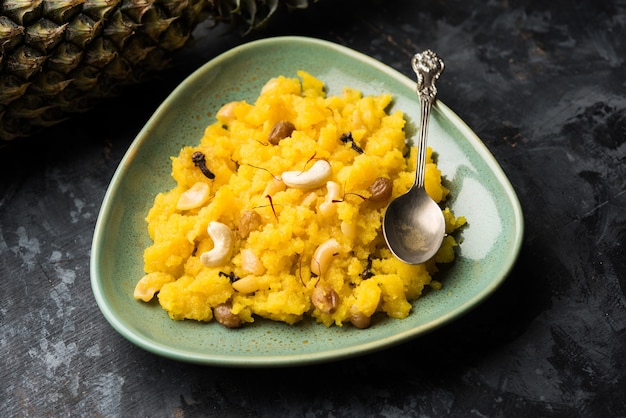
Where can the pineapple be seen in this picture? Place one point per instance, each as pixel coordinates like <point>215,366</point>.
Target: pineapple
<point>58,57</point>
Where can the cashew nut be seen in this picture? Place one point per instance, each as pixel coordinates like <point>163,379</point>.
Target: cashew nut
<point>308,200</point>
<point>328,207</point>
<point>323,256</point>
<point>358,318</point>
<point>312,178</point>
<point>150,284</point>
<point>222,238</point>
<point>226,113</point>
<point>348,229</point>
<point>248,284</point>
<point>274,186</point>
<point>251,263</point>
<point>271,84</point>
<point>194,197</point>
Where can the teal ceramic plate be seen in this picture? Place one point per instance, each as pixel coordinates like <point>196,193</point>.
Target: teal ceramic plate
<point>479,190</point>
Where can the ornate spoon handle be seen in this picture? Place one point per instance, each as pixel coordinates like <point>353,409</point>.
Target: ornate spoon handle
<point>428,67</point>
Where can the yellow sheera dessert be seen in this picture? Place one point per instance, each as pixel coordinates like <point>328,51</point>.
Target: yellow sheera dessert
<point>277,213</point>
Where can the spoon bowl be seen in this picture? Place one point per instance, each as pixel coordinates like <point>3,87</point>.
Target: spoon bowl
<point>413,224</point>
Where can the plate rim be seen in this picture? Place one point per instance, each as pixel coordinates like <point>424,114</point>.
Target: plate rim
<point>325,355</point>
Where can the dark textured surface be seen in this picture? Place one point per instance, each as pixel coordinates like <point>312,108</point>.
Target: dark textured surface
<point>542,83</point>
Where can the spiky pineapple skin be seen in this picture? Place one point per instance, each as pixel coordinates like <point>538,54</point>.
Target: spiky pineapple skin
<point>59,57</point>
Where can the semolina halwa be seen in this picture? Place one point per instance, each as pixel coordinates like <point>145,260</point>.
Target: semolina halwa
<point>277,213</point>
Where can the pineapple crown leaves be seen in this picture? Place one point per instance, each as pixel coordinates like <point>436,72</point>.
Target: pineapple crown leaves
<point>59,57</point>
<point>254,13</point>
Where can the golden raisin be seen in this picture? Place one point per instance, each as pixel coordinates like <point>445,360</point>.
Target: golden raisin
<point>381,189</point>
<point>250,221</point>
<point>281,130</point>
<point>224,315</point>
<point>325,299</point>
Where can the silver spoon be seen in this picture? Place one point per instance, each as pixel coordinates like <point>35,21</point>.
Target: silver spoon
<point>413,225</point>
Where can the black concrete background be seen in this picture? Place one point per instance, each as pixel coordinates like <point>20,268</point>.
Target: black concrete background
<point>542,83</point>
